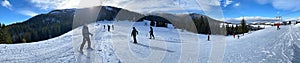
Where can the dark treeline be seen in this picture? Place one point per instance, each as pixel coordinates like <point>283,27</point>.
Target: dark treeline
<point>5,37</point>
<point>238,29</point>
<point>201,23</point>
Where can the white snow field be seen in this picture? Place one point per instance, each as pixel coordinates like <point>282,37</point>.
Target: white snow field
<point>169,46</point>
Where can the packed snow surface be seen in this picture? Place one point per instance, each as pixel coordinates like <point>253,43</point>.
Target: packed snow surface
<point>169,46</point>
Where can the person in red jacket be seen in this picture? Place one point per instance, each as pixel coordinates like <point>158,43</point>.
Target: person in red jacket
<point>278,24</point>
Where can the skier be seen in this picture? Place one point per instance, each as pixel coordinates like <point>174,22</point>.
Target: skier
<point>151,33</point>
<point>108,28</point>
<point>134,33</point>
<point>86,37</point>
<point>277,24</point>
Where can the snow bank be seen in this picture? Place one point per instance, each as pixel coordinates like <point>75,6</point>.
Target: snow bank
<point>297,25</point>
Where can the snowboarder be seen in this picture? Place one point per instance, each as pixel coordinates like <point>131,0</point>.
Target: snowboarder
<point>108,28</point>
<point>238,36</point>
<point>134,33</point>
<point>277,24</point>
<point>151,33</point>
<point>86,37</point>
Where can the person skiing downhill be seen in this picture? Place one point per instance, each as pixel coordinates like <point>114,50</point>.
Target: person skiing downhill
<point>86,37</point>
<point>151,33</point>
<point>134,33</point>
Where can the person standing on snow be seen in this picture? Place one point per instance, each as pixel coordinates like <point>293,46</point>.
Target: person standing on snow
<point>134,33</point>
<point>233,34</point>
<point>108,28</point>
<point>151,33</point>
<point>104,26</point>
<point>86,37</point>
<point>278,24</point>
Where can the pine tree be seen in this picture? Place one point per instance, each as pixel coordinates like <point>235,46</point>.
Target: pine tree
<point>244,26</point>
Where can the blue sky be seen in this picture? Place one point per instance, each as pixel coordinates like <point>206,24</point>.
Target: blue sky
<point>12,11</point>
<point>18,11</point>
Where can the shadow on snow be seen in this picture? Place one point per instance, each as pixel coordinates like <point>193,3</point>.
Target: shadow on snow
<point>155,48</point>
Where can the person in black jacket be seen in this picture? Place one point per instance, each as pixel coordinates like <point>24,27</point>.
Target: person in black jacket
<point>86,37</point>
<point>108,28</point>
<point>134,33</point>
<point>151,33</point>
<point>208,36</point>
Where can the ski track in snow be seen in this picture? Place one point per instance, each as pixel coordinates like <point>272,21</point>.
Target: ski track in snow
<point>170,46</point>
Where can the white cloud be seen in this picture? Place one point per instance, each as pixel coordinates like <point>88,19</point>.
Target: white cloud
<point>6,3</point>
<point>55,4</point>
<point>251,19</point>
<point>28,13</point>
<point>236,4</point>
<point>292,5</point>
<point>227,2</point>
<point>142,6</point>
<point>148,6</point>
<point>210,7</point>
<point>287,4</point>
